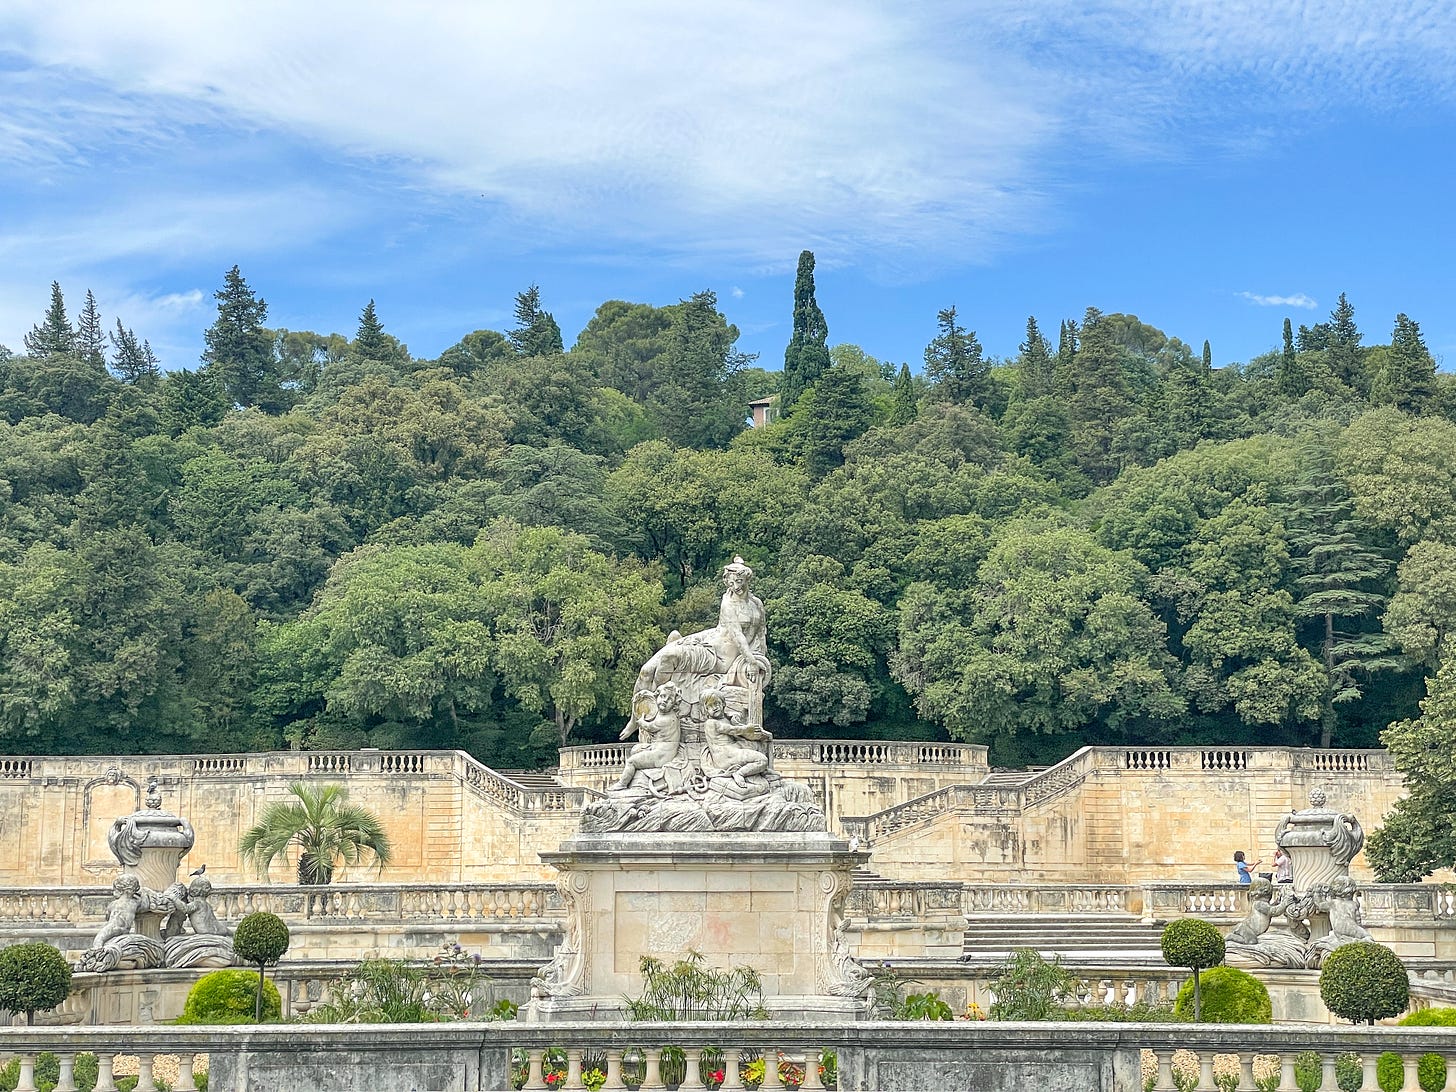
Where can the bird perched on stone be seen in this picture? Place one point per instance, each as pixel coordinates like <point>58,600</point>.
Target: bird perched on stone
<point>198,871</point>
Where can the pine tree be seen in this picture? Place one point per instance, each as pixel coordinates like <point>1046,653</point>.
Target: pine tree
<point>954,364</point>
<point>1098,400</point>
<point>131,361</point>
<point>1290,378</point>
<point>697,396</point>
<point>536,332</point>
<point>239,354</point>
<point>905,407</point>
<point>1038,373</point>
<point>1340,579</point>
<point>90,337</point>
<point>369,341</point>
<point>1408,380</point>
<point>1066,352</point>
<point>1207,356</point>
<point>1312,339</point>
<point>807,355</point>
<point>54,334</point>
<point>1345,357</point>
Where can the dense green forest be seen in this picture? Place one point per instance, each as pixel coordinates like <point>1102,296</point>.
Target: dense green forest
<point>322,541</point>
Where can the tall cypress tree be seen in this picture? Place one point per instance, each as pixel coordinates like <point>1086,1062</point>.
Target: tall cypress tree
<point>1038,373</point>
<point>904,406</point>
<point>536,332</point>
<point>953,362</point>
<point>1066,352</point>
<point>90,337</point>
<point>54,333</point>
<point>239,349</point>
<point>1291,379</point>
<point>1408,380</point>
<point>1207,356</point>
<point>1343,350</point>
<point>807,355</point>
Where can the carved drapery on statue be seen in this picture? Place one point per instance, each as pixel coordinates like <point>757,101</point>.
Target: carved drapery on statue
<point>702,761</point>
<point>153,920</point>
<point>1319,907</point>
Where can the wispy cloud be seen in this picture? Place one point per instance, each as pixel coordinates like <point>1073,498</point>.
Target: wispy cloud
<point>1299,299</point>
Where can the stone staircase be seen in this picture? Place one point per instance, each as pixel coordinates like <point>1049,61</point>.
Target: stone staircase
<point>533,780</point>
<point>1007,779</point>
<point>992,937</point>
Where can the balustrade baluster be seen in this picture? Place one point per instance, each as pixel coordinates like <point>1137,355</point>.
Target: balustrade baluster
<point>184,1072</point>
<point>771,1078</point>
<point>1368,1077</point>
<point>534,1076</point>
<point>144,1070</point>
<point>1205,1070</point>
<point>26,1083</point>
<point>1165,1072</point>
<point>1286,1074</point>
<point>105,1079</point>
<point>1412,1070</point>
<point>652,1068</point>
<point>811,1070</point>
<point>573,1069</point>
<point>66,1079</point>
<point>1246,1070</point>
<point>614,1082</point>
<point>732,1079</point>
<point>693,1076</point>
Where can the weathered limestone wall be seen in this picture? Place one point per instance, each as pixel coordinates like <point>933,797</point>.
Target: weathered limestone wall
<point>448,818</point>
<point>1116,815</point>
<point>1104,815</point>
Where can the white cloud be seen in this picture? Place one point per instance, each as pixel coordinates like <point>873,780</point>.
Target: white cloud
<point>736,292</point>
<point>1299,299</point>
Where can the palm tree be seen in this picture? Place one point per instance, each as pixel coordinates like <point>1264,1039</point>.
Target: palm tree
<point>324,826</point>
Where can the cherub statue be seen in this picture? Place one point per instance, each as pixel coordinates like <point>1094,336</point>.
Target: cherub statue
<point>121,912</point>
<point>1263,907</point>
<point>725,753</point>
<point>657,720</point>
<point>1344,911</point>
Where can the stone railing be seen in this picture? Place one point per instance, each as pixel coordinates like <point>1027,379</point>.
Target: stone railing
<point>826,752</point>
<point>1029,898</point>
<point>1099,1057</point>
<point>1381,904</point>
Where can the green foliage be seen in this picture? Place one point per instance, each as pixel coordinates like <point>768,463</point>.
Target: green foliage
<point>1028,986</point>
<point>807,355</point>
<point>34,977</point>
<point>326,830</point>
<point>1390,1071</point>
<point>1308,1071</point>
<point>228,997</point>
<point>691,990</point>
<point>1349,1072</point>
<point>397,991</point>
<point>923,1006</point>
<point>1139,1012</point>
<point>1192,943</point>
<point>261,938</point>
<point>1431,1072</point>
<point>1364,981</point>
<point>1230,996</point>
<point>1432,1017</point>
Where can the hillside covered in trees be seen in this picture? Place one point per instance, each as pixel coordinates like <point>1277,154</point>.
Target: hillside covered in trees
<point>321,541</point>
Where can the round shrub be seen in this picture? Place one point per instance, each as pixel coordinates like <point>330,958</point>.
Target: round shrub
<point>1230,996</point>
<point>1192,943</point>
<point>34,978</point>
<point>1349,1072</point>
<point>1364,981</point>
<point>1390,1071</point>
<point>1431,1072</point>
<point>227,997</point>
<point>1429,1018</point>
<point>261,938</point>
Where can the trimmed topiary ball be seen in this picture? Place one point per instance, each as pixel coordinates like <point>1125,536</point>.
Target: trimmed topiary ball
<point>228,997</point>
<point>1364,981</point>
<point>261,938</point>
<point>1195,944</point>
<point>34,978</point>
<point>1230,996</point>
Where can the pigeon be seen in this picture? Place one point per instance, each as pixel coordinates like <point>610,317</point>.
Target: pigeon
<point>198,871</point>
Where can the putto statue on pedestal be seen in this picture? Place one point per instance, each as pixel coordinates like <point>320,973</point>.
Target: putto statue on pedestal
<point>703,761</point>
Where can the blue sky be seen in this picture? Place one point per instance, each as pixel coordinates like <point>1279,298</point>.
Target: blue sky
<point>1211,167</point>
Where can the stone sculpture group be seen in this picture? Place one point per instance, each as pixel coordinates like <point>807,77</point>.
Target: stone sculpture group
<point>702,761</point>
<point>1319,907</point>
<point>154,920</point>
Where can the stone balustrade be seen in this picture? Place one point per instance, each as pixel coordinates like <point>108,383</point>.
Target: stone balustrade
<point>827,752</point>
<point>993,1056</point>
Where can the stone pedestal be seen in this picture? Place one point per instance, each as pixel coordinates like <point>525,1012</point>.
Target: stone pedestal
<point>770,901</point>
